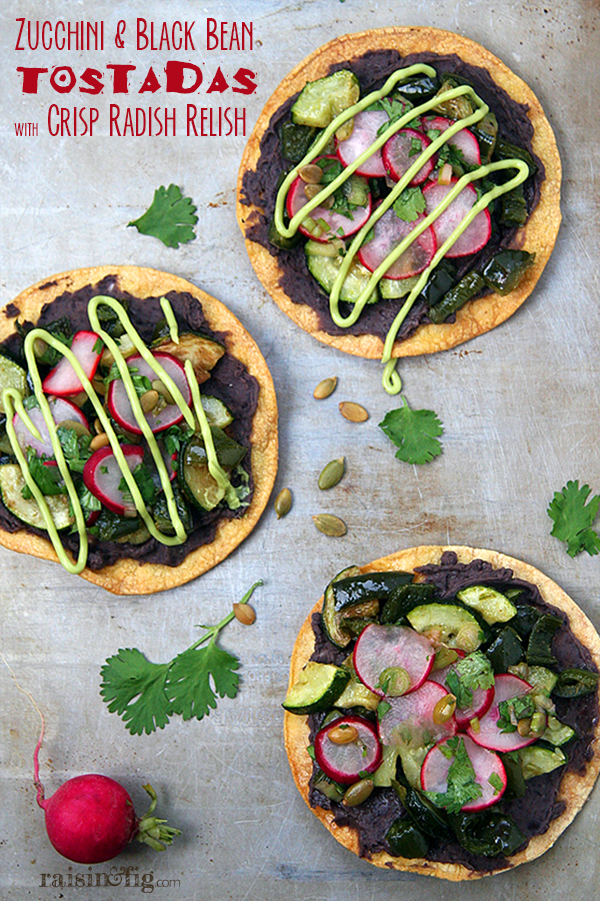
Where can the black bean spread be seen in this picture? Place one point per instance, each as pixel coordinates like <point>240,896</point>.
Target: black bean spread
<point>229,381</point>
<point>533,812</point>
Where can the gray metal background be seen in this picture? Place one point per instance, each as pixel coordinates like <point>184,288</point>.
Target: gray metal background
<point>520,412</point>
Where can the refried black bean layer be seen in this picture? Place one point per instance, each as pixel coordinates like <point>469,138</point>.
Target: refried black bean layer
<point>532,813</point>
<point>259,188</point>
<point>229,381</point>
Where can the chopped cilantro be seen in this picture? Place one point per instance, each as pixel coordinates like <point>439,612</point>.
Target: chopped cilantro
<point>170,218</point>
<point>514,709</point>
<point>143,480</point>
<point>409,205</point>
<point>416,147</point>
<point>573,516</point>
<point>382,708</point>
<point>45,474</point>
<point>414,432</point>
<point>76,448</point>
<point>496,783</point>
<point>471,672</point>
<point>461,787</point>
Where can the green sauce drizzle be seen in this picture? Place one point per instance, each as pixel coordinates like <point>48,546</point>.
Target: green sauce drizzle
<point>13,403</point>
<point>391,380</point>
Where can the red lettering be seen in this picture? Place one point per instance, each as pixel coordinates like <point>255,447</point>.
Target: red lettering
<point>114,112</point>
<point>176,44</point>
<point>94,116</point>
<point>175,77</point>
<point>60,46</point>
<point>211,32</point>
<point>140,115</point>
<point>121,71</point>
<point>219,83</point>
<point>151,83</point>
<point>64,121</point>
<point>47,46</point>
<point>164,37</point>
<point>30,78</point>
<point>22,21</point>
<point>93,78</point>
<point>63,83</point>
<point>52,111</point>
<point>244,77</point>
<point>141,34</point>
<point>188,36</point>
<point>191,113</point>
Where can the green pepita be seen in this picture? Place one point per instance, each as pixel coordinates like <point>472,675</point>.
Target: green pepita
<point>332,474</point>
<point>330,525</point>
<point>325,388</point>
<point>283,502</point>
<point>358,793</point>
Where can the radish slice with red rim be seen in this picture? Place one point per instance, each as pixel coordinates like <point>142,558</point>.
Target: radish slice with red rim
<point>388,232</point>
<point>387,648</point>
<point>62,411</point>
<point>482,697</point>
<point>339,225</point>
<point>475,236</point>
<point>488,733</point>
<point>103,477</point>
<point>486,764</point>
<point>463,140</point>
<point>118,402</point>
<point>401,151</point>
<point>364,134</point>
<point>345,762</point>
<point>409,721</point>
<point>62,380</point>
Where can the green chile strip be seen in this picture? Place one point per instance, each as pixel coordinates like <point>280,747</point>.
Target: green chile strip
<point>391,380</point>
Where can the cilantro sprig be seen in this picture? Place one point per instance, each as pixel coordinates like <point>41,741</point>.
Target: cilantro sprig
<point>461,787</point>
<point>146,695</point>
<point>414,432</point>
<point>573,516</point>
<point>170,217</point>
<point>470,673</point>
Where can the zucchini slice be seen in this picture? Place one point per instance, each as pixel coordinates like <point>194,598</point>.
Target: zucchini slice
<point>491,604</point>
<point>325,268</point>
<point>330,617</point>
<point>318,687</point>
<point>321,101</point>
<point>28,511</point>
<point>12,376</point>
<point>217,413</point>
<point>203,353</point>
<point>194,475</point>
<point>447,624</point>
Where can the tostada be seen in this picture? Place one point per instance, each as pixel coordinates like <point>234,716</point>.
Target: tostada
<point>442,711</point>
<point>400,193</point>
<point>138,427</point>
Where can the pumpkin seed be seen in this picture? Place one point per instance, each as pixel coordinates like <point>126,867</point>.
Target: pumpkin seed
<point>311,174</point>
<point>312,191</point>
<point>148,400</point>
<point>343,735</point>
<point>244,614</point>
<point>77,426</point>
<point>99,441</point>
<point>325,388</point>
<point>283,502</point>
<point>444,709</point>
<point>330,525</point>
<point>163,391</point>
<point>332,474</point>
<point>353,412</point>
<point>358,793</point>
<point>345,130</point>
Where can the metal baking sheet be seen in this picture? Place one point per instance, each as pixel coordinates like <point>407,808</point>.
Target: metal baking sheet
<point>519,408</point>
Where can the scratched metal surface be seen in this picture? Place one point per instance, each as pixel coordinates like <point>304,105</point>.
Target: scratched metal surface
<point>520,413</point>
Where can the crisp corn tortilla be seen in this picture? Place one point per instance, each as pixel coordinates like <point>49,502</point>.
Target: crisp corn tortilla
<point>574,788</point>
<point>538,235</point>
<point>128,576</point>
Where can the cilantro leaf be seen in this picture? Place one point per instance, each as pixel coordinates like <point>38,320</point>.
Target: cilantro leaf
<point>135,689</point>
<point>471,672</point>
<point>45,474</point>
<point>76,448</point>
<point>414,432</point>
<point>197,676</point>
<point>143,480</point>
<point>410,204</point>
<point>461,787</point>
<point>147,694</point>
<point>573,517</point>
<point>170,218</point>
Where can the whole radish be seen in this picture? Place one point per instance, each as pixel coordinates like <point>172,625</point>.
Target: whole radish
<point>91,819</point>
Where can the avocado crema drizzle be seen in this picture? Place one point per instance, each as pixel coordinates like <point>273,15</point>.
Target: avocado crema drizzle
<point>13,402</point>
<point>391,380</point>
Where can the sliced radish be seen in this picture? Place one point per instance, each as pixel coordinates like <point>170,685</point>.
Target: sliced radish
<point>118,402</point>
<point>62,411</point>
<point>475,236</point>
<point>463,140</point>
<point>340,226</point>
<point>344,762</point>
<point>401,151</point>
<point>169,460</point>
<point>102,476</point>
<point>63,381</point>
<point>482,697</point>
<point>388,232</point>
<point>383,647</point>
<point>487,765</point>
<point>488,733</point>
<point>410,718</point>
<point>364,134</point>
